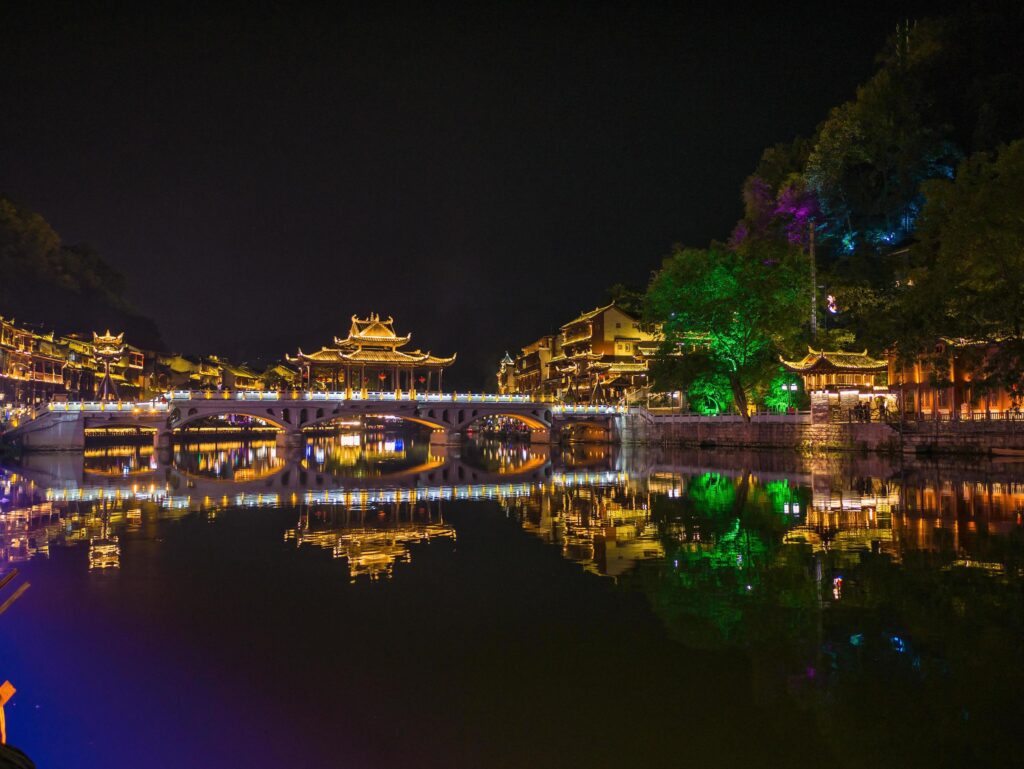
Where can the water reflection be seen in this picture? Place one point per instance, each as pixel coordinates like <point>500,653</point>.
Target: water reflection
<point>230,460</point>
<point>606,529</point>
<point>886,599</point>
<point>371,539</point>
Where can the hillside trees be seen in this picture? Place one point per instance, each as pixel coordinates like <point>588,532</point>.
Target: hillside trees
<point>966,278</point>
<point>57,286</point>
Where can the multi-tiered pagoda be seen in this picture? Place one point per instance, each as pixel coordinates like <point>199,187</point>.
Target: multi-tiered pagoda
<point>370,358</point>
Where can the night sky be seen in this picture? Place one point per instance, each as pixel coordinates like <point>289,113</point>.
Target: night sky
<point>481,172</point>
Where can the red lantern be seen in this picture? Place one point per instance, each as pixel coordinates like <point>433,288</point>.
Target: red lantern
<point>382,376</point>
<point>421,379</point>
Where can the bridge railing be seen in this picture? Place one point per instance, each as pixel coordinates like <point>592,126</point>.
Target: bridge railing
<point>128,407</point>
<point>601,410</point>
<point>163,403</point>
<point>347,395</point>
<point>342,496</point>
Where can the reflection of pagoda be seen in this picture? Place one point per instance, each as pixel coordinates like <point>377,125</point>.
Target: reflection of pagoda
<point>371,550</point>
<point>108,349</point>
<point>370,358</point>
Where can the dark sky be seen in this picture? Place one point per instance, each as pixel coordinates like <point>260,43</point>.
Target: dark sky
<point>481,172</point>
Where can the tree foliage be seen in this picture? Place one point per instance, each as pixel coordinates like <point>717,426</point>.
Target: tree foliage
<point>944,89</point>
<point>740,307</point>
<point>966,280</point>
<point>56,286</point>
<point>627,298</point>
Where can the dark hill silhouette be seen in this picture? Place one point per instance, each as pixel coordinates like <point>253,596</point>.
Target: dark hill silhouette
<point>47,285</point>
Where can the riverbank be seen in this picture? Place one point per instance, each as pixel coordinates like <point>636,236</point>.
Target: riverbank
<point>798,433</point>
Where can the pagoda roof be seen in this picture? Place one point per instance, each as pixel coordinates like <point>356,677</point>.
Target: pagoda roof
<point>828,361</point>
<point>360,356</point>
<point>373,332</point>
<point>371,340</point>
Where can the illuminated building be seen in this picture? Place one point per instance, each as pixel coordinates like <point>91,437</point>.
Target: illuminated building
<point>237,377</point>
<point>944,382</point>
<point>101,363</point>
<point>371,358</point>
<point>531,371</point>
<point>31,366</point>
<point>280,377</point>
<point>507,375</point>
<point>838,382</point>
<point>108,349</point>
<point>597,357</point>
<point>179,372</point>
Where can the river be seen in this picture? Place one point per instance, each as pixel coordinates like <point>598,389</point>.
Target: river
<point>369,604</point>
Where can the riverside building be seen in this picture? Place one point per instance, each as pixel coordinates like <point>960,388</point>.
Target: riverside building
<point>597,357</point>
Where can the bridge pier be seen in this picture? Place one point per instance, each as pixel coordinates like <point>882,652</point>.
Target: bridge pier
<point>57,433</point>
<point>543,437</point>
<point>290,439</point>
<point>163,447</point>
<point>445,438</point>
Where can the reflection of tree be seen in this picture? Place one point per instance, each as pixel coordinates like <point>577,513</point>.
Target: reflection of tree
<point>924,658</point>
<point>722,540</point>
<point>915,658</point>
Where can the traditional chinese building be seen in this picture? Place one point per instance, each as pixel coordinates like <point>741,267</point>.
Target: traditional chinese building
<point>88,361</point>
<point>596,357</point>
<point>507,375</point>
<point>279,377</point>
<point>371,358</point>
<point>31,366</point>
<point>948,382</point>
<point>839,382</point>
<point>531,371</point>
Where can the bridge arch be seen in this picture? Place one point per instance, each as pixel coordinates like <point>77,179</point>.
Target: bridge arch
<point>534,419</point>
<point>316,419</point>
<point>186,416</point>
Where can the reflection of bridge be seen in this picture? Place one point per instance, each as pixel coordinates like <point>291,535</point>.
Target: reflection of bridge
<point>294,478</point>
<point>62,425</point>
<point>183,491</point>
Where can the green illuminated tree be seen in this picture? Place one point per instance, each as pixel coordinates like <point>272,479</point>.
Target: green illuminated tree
<point>745,306</point>
<point>710,393</point>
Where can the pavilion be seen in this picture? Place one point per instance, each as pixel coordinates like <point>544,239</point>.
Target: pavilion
<point>837,381</point>
<point>370,358</point>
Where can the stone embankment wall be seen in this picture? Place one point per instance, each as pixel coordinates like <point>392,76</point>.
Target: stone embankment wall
<point>798,433</point>
<point>964,436</point>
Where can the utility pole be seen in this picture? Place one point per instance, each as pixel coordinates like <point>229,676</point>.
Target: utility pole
<point>814,287</point>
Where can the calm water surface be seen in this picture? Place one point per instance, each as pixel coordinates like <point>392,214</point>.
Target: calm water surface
<point>368,603</point>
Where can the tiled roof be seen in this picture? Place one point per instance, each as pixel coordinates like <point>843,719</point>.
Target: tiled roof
<point>589,315</point>
<point>374,331</point>
<point>358,356</point>
<point>822,360</point>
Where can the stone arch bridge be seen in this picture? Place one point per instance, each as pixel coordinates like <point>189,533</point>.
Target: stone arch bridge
<point>61,425</point>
